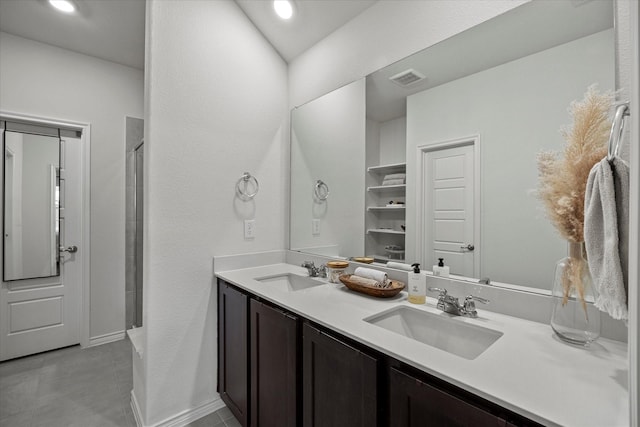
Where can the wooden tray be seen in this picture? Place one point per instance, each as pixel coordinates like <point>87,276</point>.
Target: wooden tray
<point>388,292</point>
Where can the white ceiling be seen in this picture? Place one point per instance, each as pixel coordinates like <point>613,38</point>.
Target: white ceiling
<point>313,20</point>
<point>114,29</point>
<point>107,29</point>
<point>528,29</point>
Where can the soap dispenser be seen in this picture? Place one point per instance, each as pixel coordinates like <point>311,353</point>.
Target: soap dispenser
<point>441,269</point>
<point>417,285</point>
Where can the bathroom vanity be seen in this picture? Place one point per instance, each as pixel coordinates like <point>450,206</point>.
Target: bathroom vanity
<point>295,350</point>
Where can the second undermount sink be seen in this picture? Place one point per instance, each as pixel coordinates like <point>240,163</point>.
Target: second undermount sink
<point>437,330</point>
<point>290,282</point>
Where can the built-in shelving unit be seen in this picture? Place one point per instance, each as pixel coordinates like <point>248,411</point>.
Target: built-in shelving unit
<point>386,213</point>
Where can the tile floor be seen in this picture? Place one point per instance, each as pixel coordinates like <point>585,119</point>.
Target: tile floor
<point>73,387</point>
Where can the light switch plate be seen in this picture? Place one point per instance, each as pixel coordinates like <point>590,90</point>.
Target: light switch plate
<point>315,227</point>
<point>249,228</point>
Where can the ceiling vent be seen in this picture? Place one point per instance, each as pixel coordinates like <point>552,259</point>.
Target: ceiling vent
<point>407,78</point>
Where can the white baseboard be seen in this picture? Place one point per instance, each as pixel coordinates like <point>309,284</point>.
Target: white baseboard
<point>106,338</point>
<point>181,419</point>
<point>136,410</point>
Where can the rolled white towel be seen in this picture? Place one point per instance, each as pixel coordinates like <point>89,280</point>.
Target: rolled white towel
<point>369,273</point>
<point>395,176</point>
<point>398,181</point>
<point>363,281</point>
<point>399,266</point>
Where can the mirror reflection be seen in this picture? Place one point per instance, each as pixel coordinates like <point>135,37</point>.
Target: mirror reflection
<point>471,112</point>
<point>31,205</point>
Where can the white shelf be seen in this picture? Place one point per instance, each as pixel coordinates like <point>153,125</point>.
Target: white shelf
<point>383,188</point>
<point>385,231</point>
<point>399,208</point>
<point>387,169</point>
<point>386,258</point>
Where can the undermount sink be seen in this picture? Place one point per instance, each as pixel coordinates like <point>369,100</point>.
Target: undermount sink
<point>437,330</point>
<point>290,282</point>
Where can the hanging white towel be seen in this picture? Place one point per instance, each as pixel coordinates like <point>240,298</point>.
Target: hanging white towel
<point>606,234</point>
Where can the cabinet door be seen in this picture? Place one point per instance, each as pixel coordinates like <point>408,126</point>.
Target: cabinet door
<point>274,367</point>
<point>233,367</point>
<point>414,403</point>
<point>340,383</point>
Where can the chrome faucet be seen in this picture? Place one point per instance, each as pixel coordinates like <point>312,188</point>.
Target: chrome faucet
<point>450,304</point>
<point>315,271</point>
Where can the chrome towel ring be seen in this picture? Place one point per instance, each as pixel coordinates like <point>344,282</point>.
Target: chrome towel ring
<point>245,184</point>
<point>321,190</point>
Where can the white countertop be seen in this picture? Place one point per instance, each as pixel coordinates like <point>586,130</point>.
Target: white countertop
<point>528,370</point>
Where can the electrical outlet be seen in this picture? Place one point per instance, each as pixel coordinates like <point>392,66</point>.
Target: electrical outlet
<point>249,228</point>
<point>315,227</point>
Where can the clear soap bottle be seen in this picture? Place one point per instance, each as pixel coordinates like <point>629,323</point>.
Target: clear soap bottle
<point>417,285</point>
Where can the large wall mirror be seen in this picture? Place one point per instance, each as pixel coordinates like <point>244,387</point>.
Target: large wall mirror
<point>498,92</point>
<point>31,219</point>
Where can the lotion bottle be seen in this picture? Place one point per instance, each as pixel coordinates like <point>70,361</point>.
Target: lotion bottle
<point>441,269</point>
<point>417,285</point>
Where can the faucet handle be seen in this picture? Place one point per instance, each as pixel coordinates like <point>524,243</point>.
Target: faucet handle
<point>469,305</point>
<point>322,271</point>
<point>472,298</point>
<point>442,291</point>
<point>308,264</point>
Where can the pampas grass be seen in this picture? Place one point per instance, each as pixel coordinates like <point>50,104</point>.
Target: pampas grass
<point>563,176</point>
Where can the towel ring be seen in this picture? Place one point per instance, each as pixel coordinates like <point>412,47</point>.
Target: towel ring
<point>617,127</point>
<point>321,190</point>
<point>242,186</point>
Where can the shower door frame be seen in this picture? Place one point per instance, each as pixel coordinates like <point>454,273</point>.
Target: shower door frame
<point>137,320</point>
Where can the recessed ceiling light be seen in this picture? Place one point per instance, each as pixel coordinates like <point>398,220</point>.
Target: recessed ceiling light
<point>283,8</point>
<point>63,5</point>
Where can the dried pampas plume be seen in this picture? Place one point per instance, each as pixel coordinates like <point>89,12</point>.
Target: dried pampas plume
<point>563,176</point>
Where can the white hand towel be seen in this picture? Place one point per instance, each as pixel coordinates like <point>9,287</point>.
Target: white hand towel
<point>369,273</point>
<point>399,266</point>
<point>606,217</point>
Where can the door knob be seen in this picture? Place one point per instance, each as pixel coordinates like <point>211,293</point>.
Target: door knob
<point>469,247</point>
<point>70,249</point>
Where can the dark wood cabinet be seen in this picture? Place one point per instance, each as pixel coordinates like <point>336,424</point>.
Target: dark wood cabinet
<point>414,403</point>
<point>340,382</point>
<point>233,366</point>
<point>274,367</point>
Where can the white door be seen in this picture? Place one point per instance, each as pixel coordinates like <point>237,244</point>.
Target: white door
<point>41,314</point>
<point>448,206</point>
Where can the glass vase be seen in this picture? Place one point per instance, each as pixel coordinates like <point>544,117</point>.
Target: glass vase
<point>574,318</point>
